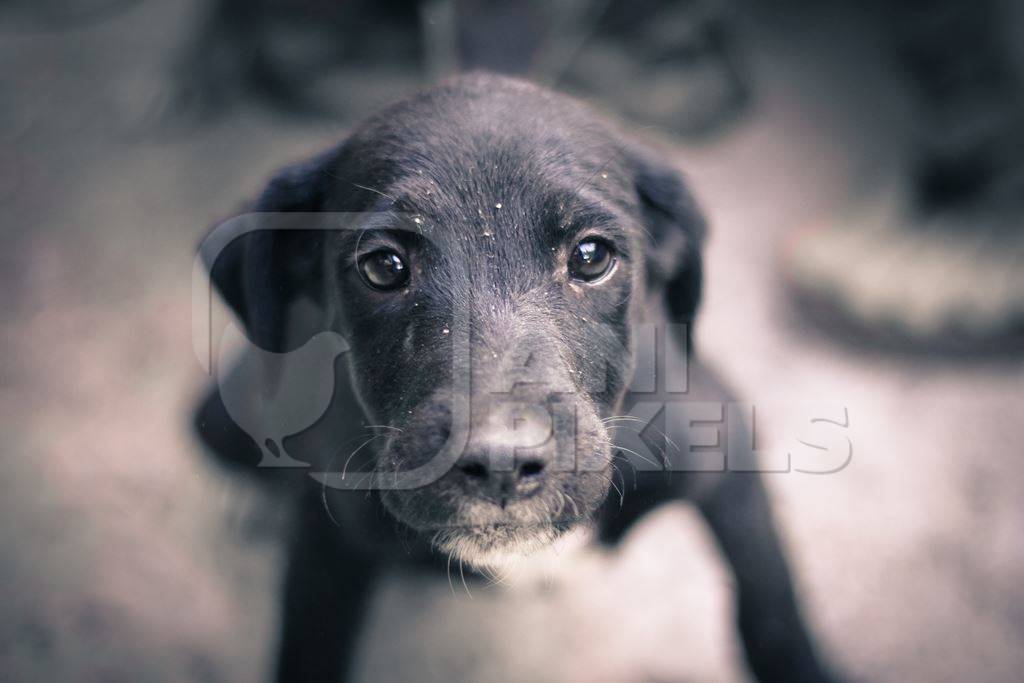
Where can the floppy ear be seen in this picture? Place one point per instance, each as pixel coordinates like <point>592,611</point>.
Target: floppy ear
<point>675,231</point>
<point>265,270</point>
<point>261,273</point>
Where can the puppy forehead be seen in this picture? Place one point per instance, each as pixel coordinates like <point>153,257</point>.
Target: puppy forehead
<point>510,190</point>
<point>480,142</point>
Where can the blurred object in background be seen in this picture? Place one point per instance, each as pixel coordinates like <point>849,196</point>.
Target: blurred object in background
<point>303,56</point>
<point>657,62</point>
<point>674,65</point>
<point>933,259</point>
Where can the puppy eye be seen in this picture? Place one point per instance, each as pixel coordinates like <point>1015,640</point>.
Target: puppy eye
<point>384,269</point>
<point>590,260</point>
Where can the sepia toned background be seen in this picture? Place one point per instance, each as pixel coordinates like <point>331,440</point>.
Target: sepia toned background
<point>127,554</point>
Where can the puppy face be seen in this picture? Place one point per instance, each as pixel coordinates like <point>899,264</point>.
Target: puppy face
<point>529,252</point>
<point>489,295</point>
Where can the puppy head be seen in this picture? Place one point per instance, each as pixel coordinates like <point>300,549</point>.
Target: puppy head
<point>507,244</point>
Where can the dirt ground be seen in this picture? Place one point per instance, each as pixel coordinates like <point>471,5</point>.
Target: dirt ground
<point>127,556</point>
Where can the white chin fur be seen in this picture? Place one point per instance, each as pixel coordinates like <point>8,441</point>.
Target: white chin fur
<point>539,547</point>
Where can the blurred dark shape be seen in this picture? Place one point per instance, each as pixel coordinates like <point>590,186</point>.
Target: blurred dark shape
<point>970,99</point>
<point>658,62</point>
<point>934,260</point>
<point>277,50</point>
<point>676,65</point>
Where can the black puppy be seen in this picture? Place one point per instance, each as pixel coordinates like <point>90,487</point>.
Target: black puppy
<point>509,250</point>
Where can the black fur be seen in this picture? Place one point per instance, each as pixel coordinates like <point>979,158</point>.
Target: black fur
<point>485,184</point>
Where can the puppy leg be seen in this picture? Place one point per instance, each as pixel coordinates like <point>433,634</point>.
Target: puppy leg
<point>774,635</point>
<point>325,596</point>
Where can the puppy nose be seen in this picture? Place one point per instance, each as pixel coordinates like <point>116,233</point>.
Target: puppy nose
<point>484,477</point>
<point>507,453</point>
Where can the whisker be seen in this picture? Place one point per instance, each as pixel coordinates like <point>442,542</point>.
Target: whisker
<point>644,458</point>
<point>344,470</point>
<point>497,577</point>
<point>560,511</point>
<point>622,417</point>
<point>622,496</point>
<point>375,191</point>
<point>330,463</point>
<point>662,451</point>
<point>323,490</point>
<point>630,418</point>
<point>448,571</point>
<point>462,574</point>
<point>572,501</point>
<point>622,477</point>
<point>366,475</point>
<point>327,507</point>
<point>397,429</point>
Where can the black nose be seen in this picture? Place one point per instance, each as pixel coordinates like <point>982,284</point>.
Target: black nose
<point>483,475</point>
<point>510,444</point>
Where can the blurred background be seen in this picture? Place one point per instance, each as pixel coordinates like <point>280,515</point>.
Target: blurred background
<point>862,167</point>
